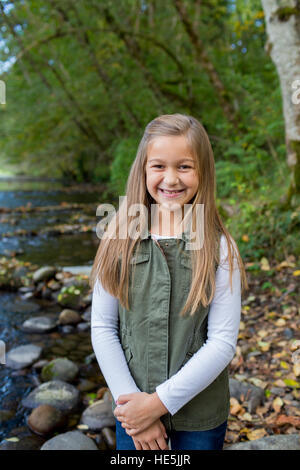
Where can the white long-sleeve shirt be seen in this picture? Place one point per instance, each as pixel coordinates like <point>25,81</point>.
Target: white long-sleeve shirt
<point>203,367</point>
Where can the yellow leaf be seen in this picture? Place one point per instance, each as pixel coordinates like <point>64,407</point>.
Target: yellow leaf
<point>277,404</point>
<point>242,325</point>
<point>264,264</point>
<point>264,346</point>
<point>279,383</point>
<point>280,322</point>
<point>245,238</point>
<point>262,333</point>
<point>12,439</point>
<point>256,434</point>
<point>284,365</point>
<point>258,382</point>
<point>296,369</point>
<point>245,417</point>
<point>296,273</point>
<point>291,383</point>
<point>82,426</point>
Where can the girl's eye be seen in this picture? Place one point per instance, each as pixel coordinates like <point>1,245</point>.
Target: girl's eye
<point>181,166</point>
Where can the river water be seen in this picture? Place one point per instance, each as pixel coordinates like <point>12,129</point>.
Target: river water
<point>74,249</point>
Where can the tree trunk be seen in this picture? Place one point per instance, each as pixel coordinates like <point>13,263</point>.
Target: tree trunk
<point>283,45</point>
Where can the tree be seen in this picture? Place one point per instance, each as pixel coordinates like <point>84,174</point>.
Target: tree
<point>283,28</point>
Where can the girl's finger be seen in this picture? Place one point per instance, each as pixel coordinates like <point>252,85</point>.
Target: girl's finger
<point>145,445</point>
<point>153,445</point>
<point>163,443</point>
<point>163,430</point>
<point>137,444</point>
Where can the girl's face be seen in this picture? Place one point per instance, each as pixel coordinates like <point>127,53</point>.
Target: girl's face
<point>171,175</point>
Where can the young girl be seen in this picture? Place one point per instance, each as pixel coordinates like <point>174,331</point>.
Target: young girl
<point>166,311</point>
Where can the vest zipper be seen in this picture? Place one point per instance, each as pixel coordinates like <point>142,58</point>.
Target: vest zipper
<point>168,415</point>
<point>159,247</point>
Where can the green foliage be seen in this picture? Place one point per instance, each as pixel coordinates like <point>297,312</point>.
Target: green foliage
<point>90,75</point>
<point>124,154</point>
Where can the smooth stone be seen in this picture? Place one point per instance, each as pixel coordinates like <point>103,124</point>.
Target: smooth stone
<point>255,395</point>
<point>72,440</point>
<point>23,356</point>
<point>86,316</point>
<point>110,437</point>
<point>6,415</point>
<point>60,369</point>
<point>90,358</point>
<point>45,419</point>
<point>98,415</point>
<point>276,442</point>
<point>39,324</point>
<point>57,393</point>
<point>83,326</point>
<point>86,270</point>
<point>24,443</point>
<point>86,385</point>
<point>40,364</point>
<point>66,329</point>
<point>44,273</point>
<point>68,316</point>
<point>20,306</point>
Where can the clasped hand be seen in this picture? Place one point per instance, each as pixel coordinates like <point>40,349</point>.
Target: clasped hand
<point>138,411</point>
<point>139,415</point>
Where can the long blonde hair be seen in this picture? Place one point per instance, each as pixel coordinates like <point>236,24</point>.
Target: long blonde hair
<point>106,264</point>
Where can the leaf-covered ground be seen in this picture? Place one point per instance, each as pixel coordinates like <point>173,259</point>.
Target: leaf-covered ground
<point>268,352</point>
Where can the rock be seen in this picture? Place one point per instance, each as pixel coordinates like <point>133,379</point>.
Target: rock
<point>57,393</point>
<point>72,440</point>
<point>28,295</point>
<point>66,329</point>
<point>86,316</point>
<point>68,316</point>
<point>44,273</point>
<point>86,385</point>
<point>23,356</point>
<point>110,437</point>
<point>24,443</point>
<point>90,358</point>
<point>39,324</point>
<point>6,415</point>
<point>20,306</point>
<point>83,326</point>
<point>40,364</point>
<point>60,369</point>
<point>26,289</point>
<point>276,442</point>
<point>45,419</point>
<point>87,299</point>
<point>253,396</point>
<point>98,415</point>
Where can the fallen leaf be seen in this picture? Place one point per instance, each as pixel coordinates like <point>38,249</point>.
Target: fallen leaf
<point>256,434</point>
<point>82,426</point>
<point>277,404</point>
<point>280,322</point>
<point>296,273</point>
<point>283,419</point>
<point>264,264</point>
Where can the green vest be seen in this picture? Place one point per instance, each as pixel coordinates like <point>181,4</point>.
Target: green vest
<point>157,342</point>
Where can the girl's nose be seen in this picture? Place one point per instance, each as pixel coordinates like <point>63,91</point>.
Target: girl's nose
<point>171,178</point>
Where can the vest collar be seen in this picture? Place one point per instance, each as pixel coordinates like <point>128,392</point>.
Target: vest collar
<point>183,236</point>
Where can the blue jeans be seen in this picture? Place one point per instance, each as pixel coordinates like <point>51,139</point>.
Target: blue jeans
<point>213,439</point>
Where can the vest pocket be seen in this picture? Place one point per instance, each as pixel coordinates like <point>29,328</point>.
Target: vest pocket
<point>139,263</point>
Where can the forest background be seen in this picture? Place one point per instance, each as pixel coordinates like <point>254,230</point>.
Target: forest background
<point>84,78</point>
